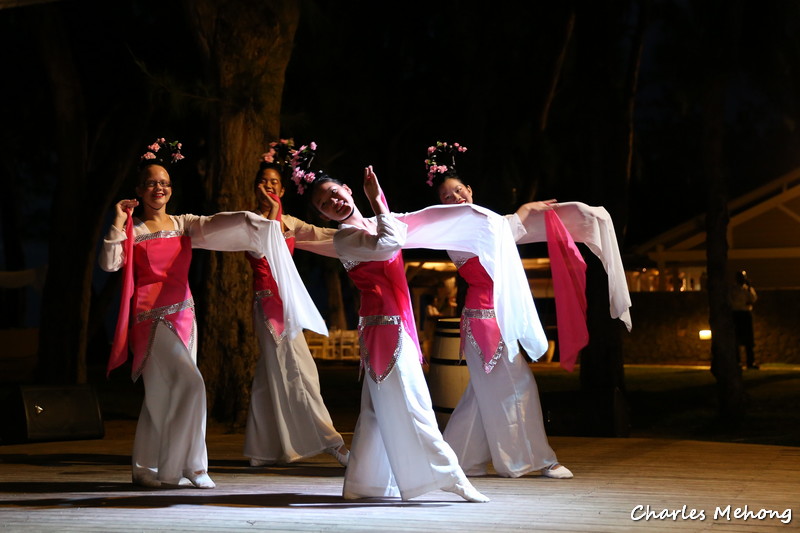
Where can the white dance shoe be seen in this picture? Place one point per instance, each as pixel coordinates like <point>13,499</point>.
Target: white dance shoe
<point>343,458</point>
<point>466,490</point>
<point>557,471</point>
<point>200,479</point>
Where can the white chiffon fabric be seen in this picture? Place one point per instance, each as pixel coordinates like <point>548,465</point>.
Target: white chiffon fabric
<point>592,226</point>
<point>397,448</point>
<point>474,229</point>
<point>287,419</point>
<point>171,431</point>
<point>499,419</point>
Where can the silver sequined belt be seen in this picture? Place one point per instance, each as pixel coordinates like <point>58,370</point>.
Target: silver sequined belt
<point>161,312</point>
<point>266,293</point>
<point>478,313</point>
<point>379,320</point>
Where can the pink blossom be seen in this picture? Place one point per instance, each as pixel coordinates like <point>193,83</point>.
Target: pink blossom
<point>431,149</point>
<point>313,145</point>
<point>179,145</point>
<point>177,157</point>
<point>310,177</point>
<point>149,155</point>
<point>155,147</point>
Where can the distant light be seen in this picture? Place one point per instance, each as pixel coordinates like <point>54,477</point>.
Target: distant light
<point>705,334</point>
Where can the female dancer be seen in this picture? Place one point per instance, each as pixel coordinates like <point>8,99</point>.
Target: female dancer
<point>397,449</point>
<point>499,417</point>
<point>288,420</point>
<point>154,251</point>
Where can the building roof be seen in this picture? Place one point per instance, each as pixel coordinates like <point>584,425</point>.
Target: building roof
<point>764,230</point>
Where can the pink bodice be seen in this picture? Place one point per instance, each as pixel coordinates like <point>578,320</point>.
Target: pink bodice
<point>385,312</point>
<point>478,323</point>
<point>267,293</point>
<point>161,291</point>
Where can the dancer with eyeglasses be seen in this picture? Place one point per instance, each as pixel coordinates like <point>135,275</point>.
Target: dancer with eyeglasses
<point>157,320</point>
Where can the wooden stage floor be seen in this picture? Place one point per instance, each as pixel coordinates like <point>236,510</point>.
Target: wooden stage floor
<point>85,486</point>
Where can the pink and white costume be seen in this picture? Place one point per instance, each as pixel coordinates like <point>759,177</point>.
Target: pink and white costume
<point>499,417</point>
<point>170,434</point>
<point>287,420</point>
<point>397,448</point>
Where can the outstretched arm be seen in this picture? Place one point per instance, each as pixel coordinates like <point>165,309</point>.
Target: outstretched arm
<point>525,210</point>
<point>373,191</point>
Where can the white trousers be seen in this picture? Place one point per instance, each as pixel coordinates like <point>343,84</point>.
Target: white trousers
<point>287,420</point>
<point>397,448</point>
<point>499,419</point>
<point>171,432</point>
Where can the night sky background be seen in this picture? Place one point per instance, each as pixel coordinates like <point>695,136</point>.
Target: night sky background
<point>376,83</point>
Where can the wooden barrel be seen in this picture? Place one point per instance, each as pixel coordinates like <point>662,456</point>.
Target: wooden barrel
<point>447,376</point>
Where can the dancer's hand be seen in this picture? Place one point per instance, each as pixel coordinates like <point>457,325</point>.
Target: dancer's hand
<point>373,191</point>
<point>269,203</point>
<point>121,212</point>
<point>525,210</point>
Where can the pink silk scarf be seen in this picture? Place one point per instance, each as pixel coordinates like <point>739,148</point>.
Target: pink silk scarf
<point>119,348</point>
<point>569,284</point>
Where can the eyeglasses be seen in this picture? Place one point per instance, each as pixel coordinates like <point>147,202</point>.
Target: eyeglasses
<point>151,184</point>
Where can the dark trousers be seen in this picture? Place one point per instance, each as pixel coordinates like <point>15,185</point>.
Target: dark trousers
<point>743,325</point>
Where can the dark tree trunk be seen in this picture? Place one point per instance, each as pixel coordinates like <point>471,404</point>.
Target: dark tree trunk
<point>78,208</point>
<point>722,39</point>
<point>602,377</point>
<point>610,144</point>
<point>246,46</point>
<point>65,300</point>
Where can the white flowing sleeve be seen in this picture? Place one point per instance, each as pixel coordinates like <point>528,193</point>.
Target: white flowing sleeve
<point>593,227</point>
<point>518,230</point>
<point>112,255</point>
<point>309,237</point>
<point>237,231</point>
<point>355,244</point>
<point>474,229</point>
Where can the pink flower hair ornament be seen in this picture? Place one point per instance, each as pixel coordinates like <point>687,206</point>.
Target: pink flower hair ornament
<point>300,163</point>
<point>442,159</point>
<point>161,153</point>
<point>279,153</point>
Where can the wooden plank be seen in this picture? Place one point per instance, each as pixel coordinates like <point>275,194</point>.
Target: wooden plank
<point>85,486</point>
